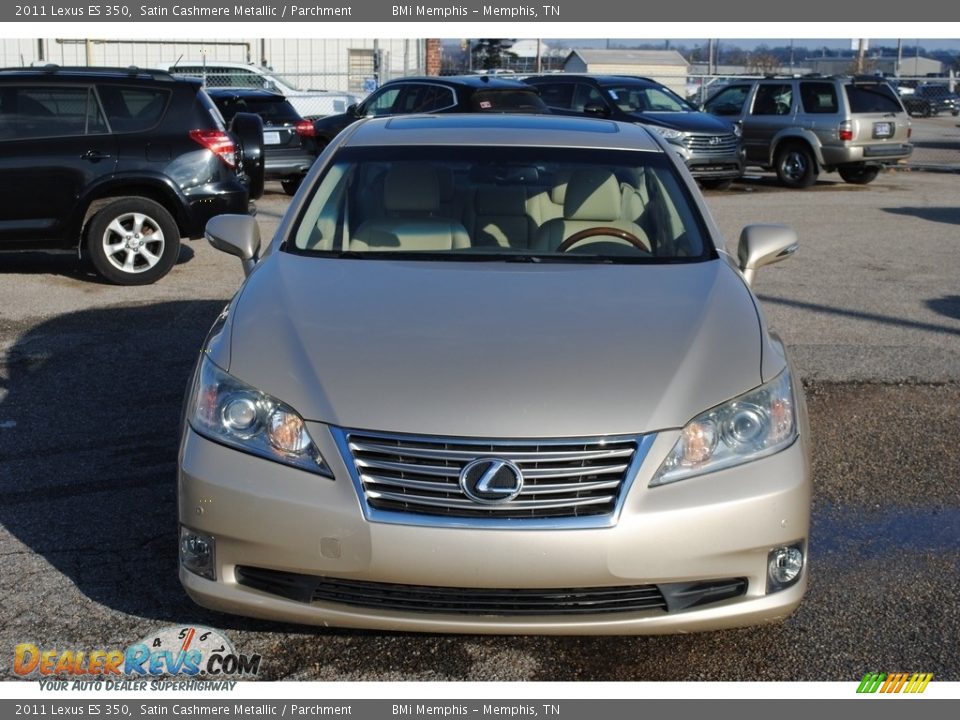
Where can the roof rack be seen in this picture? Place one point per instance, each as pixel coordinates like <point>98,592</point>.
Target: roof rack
<point>131,70</point>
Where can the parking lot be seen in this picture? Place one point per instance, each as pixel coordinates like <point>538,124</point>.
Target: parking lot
<point>92,377</point>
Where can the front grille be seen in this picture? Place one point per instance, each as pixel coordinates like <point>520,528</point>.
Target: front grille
<point>667,597</point>
<point>561,479</point>
<point>465,601</point>
<point>711,145</point>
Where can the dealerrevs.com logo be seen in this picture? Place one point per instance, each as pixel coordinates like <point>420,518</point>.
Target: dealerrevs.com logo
<point>193,652</point>
<point>887,683</point>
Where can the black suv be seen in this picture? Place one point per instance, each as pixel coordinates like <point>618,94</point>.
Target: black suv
<point>450,94</point>
<point>931,99</point>
<point>289,144</point>
<point>709,146</point>
<point>119,164</point>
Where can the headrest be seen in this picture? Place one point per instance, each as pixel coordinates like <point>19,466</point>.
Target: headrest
<point>558,193</point>
<point>411,187</point>
<point>592,195</point>
<point>495,200</point>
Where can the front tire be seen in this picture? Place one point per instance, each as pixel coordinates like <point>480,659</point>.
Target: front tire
<point>133,241</point>
<point>859,175</point>
<point>291,185</point>
<point>715,183</point>
<point>795,166</point>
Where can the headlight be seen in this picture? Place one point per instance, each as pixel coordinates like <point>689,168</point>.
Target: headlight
<point>754,425</point>
<point>667,133</point>
<point>233,413</point>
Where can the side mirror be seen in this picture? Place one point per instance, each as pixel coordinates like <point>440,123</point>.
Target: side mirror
<point>237,235</point>
<point>762,245</point>
<point>596,109</point>
<point>353,109</point>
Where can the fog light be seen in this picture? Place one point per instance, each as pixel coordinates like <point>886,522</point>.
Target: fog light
<point>197,553</point>
<point>784,565</point>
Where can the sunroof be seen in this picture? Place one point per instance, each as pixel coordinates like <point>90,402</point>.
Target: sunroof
<point>489,121</point>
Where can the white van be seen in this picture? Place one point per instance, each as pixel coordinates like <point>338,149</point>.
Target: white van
<point>309,103</point>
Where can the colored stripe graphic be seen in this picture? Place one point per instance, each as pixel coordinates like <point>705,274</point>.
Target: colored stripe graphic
<point>895,683</point>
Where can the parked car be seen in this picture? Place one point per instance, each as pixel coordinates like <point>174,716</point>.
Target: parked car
<point>118,164</point>
<point>496,373</point>
<point>802,126</point>
<point>449,94</point>
<point>309,104</point>
<point>710,146</point>
<point>930,100</point>
<point>289,141</point>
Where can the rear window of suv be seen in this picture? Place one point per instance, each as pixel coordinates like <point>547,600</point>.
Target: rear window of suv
<point>872,98</point>
<point>507,101</point>
<point>273,111</point>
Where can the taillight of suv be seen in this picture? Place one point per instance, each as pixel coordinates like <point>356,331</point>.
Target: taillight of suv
<point>305,128</point>
<point>219,143</point>
<point>845,131</point>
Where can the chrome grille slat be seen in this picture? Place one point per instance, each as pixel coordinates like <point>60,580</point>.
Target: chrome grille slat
<point>702,145</point>
<point>411,484</point>
<point>501,450</point>
<point>551,473</point>
<point>569,488</point>
<point>433,470</point>
<point>512,506</point>
<point>575,478</point>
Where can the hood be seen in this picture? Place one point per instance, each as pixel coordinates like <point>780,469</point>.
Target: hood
<point>495,349</point>
<point>698,122</point>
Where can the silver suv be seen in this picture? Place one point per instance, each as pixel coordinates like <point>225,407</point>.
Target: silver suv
<point>800,127</point>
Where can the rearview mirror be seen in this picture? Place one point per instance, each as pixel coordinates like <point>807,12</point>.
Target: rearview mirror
<point>237,235</point>
<point>762,245</point>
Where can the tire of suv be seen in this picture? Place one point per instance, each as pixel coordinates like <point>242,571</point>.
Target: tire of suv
<point>133,241</point>
<point>795,165</point>
<point>858,174</point>
<point>715,184</point>
<point>247,128</point>
<point>291,185</point>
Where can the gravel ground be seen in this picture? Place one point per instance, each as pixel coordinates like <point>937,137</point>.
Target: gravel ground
<point>92,376</point>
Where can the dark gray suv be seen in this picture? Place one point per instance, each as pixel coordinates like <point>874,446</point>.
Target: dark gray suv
<point>800,127</point>
<point>710,146</point>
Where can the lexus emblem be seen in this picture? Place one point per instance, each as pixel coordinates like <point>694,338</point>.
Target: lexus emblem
<point>491,481</point>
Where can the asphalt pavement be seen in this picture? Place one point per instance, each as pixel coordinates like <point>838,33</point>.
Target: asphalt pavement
<point>92,377</point>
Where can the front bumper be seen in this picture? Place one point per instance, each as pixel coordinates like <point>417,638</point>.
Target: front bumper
<point>269,516</point>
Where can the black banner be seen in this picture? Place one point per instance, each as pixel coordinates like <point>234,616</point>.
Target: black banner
<point>613,11</point>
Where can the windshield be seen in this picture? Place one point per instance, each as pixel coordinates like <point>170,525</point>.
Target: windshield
<point>516,203</point>
<point>646,98</point>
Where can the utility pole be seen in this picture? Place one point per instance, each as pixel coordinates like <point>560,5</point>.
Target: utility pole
<point>861,51</point>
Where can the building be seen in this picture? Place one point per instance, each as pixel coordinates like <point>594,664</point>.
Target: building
<point>665,66</point>
<point>311,64</point>
<point>910,66</point>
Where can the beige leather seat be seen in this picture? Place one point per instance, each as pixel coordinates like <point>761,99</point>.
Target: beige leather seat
<point>498,217</point>
<point>593,198</point>
<point>411,201</point>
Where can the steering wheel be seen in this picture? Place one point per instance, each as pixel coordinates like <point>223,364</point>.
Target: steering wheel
<point>607,231</point>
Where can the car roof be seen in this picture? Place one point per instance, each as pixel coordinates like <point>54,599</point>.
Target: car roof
<point>501,129</point>
<point>599,79</point>
<point>55,72</point>
<point>479,82</point>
